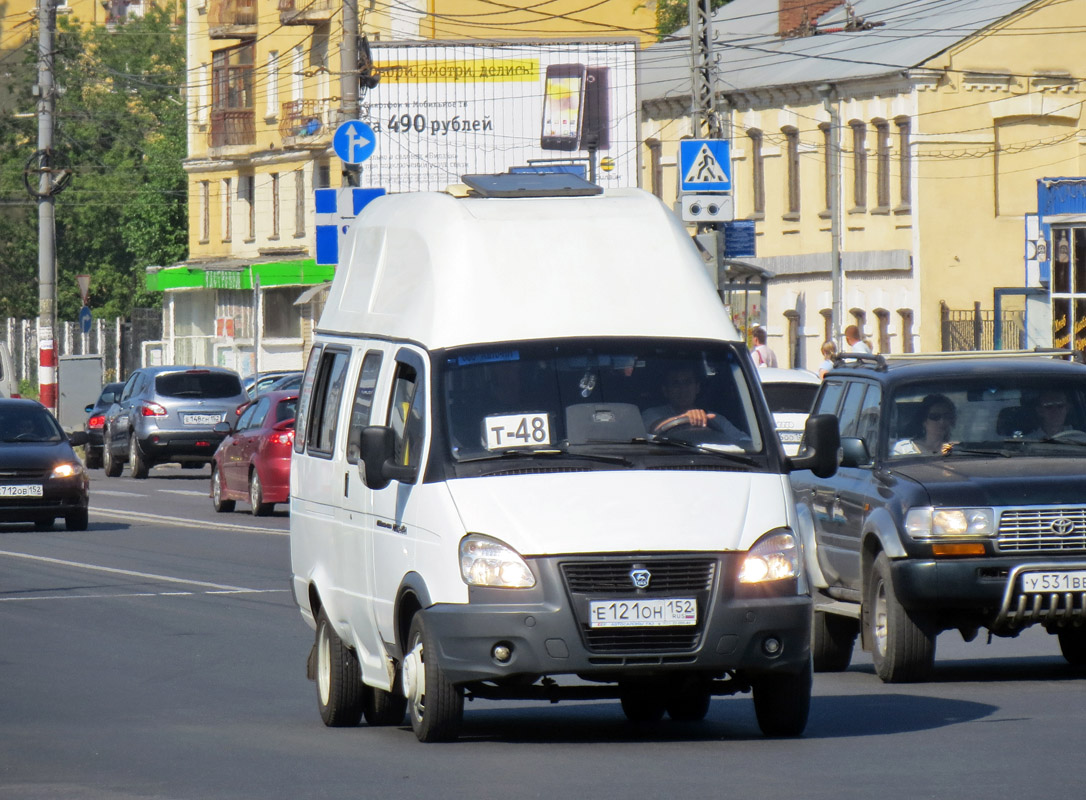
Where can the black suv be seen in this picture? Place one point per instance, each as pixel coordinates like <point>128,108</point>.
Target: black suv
<point>960,502</point>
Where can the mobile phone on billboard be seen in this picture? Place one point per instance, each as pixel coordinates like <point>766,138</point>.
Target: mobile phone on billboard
<point>563,106</point>
<point>596,128</point>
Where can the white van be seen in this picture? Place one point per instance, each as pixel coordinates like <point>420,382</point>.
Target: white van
<point>500,488</point>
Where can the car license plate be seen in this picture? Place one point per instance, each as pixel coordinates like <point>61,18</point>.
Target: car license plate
<point>647,613</point>
<point>1044,582</point>
<point>201,419</point>
<point>26,490</point>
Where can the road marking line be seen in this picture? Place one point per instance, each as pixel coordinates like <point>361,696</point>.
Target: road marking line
<point>127,594</point>
<point>139,516</point>
<point>186,492</point>
<point>128,572</point>
<point>116,493</point>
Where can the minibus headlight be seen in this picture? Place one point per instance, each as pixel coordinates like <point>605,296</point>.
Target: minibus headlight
<point>487,562</point>
<point>774,557</point>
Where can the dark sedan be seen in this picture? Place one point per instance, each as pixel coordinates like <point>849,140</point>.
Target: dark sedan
<point>41,477</point>
<point>96,418</point>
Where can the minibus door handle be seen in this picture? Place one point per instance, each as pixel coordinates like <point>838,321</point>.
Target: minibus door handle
<point>346,482</point>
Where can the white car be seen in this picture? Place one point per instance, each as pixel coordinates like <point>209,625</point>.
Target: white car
<point>789,393</point>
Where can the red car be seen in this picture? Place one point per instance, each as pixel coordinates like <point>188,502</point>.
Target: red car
<point>253,461</point>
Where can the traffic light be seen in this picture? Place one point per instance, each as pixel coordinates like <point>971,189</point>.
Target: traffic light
<point>367,75</point>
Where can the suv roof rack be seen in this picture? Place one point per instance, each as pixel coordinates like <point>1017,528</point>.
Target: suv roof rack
<point>859,360</point>
<point>1037,352</point>
<point>527,184</point>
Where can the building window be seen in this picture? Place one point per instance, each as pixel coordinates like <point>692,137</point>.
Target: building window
<point>274,205</point>
<point>232,115</point>
<point>656,167</point>
<point>227,209</point>
<point>827,164</point>
<point>322,175</point>
<point>297,92</point>
<point>859,165</point>
<point>905,164</point>
<point>827,324</point>
<point>882,165</point>
<point>906,315</point>
<point>205,212</point>
<point>282,319</point>
<point>200,94</point>
<point>757,178</point>
<point>791,139</point>
<point>271,106</point>
<point>246,191</point>
<point>883,317</point>
<point>299,202</point>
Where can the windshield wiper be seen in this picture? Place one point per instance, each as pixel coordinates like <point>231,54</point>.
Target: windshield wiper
<point>708,450</point>
<point>976,451</point>
<point>548,452</point>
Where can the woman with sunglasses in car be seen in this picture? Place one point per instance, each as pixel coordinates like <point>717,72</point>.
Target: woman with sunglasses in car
<point>937,417</point>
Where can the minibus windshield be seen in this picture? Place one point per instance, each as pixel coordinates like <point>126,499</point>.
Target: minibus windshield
<point>587,395</point>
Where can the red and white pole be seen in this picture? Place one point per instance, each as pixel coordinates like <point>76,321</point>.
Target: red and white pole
<point>47,368</point>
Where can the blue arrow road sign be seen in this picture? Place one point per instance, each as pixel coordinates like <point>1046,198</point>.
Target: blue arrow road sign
<point>354,141</point>
<point>85,319</point>
<point>335,209</point>
<point>705,165</point>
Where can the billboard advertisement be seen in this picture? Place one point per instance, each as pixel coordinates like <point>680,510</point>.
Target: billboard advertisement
<point>442,110</point>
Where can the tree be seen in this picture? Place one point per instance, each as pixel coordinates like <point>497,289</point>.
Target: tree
<point>120,127</point>
<point>674,14</point>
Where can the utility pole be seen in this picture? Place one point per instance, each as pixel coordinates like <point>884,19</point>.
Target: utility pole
<point>348,82</point>
<point>702,108</point>
<point>829,102</point>
<point>47,263</point>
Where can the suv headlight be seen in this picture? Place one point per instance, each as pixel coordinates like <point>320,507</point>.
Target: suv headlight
<point>935,523</point>
<point>487,562</point>
<point>774,557</point>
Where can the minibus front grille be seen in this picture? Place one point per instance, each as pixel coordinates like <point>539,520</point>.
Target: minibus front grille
<point>610,578</point>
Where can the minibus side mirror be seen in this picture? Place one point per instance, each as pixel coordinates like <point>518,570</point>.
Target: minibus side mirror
<point>821,446</point>
<point>377,445</point>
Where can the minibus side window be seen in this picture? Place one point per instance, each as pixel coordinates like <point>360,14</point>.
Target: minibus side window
<point>304,397</point>
<point>406,414</point>
<point>363,402</point>
<point>324,406</point>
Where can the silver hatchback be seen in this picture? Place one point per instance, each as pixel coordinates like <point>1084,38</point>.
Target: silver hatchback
<point>168,414</point>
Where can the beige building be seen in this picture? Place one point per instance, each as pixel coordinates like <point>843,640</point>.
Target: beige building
<point>930,123</point>
<point>265,96</point>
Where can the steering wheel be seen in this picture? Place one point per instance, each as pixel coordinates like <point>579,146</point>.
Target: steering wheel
<point>676,422</point>
<point>1076,436</point>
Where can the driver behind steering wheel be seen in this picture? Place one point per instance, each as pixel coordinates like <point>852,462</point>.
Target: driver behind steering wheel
<point>680,389</point>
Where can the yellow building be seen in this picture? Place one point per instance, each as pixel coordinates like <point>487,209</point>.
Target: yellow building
<point>945,117</point>
<point>265,95</point>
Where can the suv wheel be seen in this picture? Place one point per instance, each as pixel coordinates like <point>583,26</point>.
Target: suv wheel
<point>1073,645</point>
<point>137,462</point>
<point>832,640</point>
<point>110,463</point>
<point>901,647</point>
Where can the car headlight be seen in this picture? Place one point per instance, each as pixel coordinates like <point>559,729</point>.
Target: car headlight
<point>774,557</point>
<point>67,470</point>
<point>487,562</point>
<point>932,523</point>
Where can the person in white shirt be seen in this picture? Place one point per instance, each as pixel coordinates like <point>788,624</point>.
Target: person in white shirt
<point>937,418</point>
<point>854,343</point>
<point>762,355</point>
<point>829,353</point>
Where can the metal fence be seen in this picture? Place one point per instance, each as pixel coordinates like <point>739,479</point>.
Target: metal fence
<point>977,329</point>
<point>117,340</point>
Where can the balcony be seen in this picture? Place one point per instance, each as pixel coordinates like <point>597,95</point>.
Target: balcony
<point>231,19</point>
<point>306,12</point>
<point>233,128</point>
<point>306,123</point>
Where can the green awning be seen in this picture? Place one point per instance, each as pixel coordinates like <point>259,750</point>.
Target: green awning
<point>238,275</point>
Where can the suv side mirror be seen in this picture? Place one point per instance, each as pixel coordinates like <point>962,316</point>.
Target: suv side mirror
<point>377,445</point>
<point>822,442</point>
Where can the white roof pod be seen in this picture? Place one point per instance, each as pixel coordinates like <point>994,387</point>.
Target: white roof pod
<point>445,271</point>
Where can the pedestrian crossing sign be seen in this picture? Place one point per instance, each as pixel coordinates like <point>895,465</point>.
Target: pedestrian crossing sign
<point>705,165</point>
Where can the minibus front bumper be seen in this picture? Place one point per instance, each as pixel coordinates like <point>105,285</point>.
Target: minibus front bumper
<point>509,633</point>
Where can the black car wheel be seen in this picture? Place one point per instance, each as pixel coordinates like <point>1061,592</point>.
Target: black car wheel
<point>436,706</point>
<point>833,638</point>
<point>256,496</point>
<point>137,461</point>
<point>782,703</point>
<point>217,501</point>
<point>77,520</point>
<point>339,678</point>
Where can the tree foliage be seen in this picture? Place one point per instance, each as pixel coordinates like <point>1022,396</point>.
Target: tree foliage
<point>674,14</point>
<point>120,127</point>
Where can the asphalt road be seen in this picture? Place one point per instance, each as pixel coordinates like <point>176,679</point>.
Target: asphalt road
<point>159,655</point>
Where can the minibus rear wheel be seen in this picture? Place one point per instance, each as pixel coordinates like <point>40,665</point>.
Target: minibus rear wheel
<point>339,678</point>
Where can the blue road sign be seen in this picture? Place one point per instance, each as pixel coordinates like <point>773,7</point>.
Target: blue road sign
<point>354,141</point>
<point>705,165</point>
<point>85,318</point>
<point>335,208</point>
